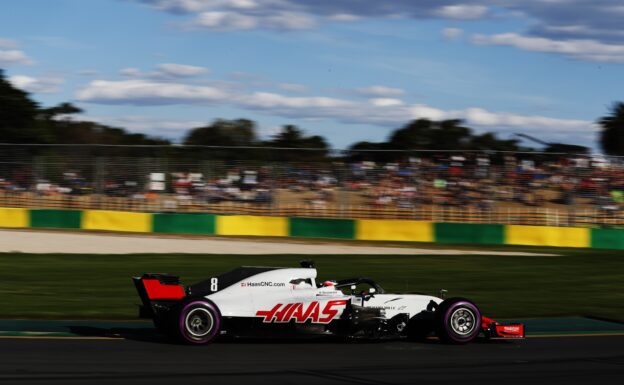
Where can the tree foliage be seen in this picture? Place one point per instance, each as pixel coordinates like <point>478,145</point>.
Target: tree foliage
<point>612,134</point>
<point>425,134</point>
<point>239,132</point>
<point>18,116</point>
<point>292,137</point>
<point>22,120</point>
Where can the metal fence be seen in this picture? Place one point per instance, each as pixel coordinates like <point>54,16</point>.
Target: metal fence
<point>449,186</point>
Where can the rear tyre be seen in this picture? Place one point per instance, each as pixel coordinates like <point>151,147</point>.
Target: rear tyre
<point>458,321</point>
<point>199,322</point>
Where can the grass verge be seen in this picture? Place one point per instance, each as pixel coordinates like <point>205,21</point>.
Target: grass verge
<point>99,286</point>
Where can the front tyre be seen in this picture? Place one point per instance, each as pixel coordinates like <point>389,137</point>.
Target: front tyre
<point>199,322</point>
<point>458,321</point>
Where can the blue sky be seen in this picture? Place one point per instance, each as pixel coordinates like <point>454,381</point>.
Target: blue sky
<point>349,70</point>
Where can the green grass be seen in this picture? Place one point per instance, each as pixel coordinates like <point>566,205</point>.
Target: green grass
<point>578,282</point>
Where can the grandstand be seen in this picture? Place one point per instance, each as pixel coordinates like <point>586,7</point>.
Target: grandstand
<point>444,186</point>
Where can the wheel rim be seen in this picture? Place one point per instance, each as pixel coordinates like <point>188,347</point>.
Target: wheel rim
<point>463,321</point>
<point>199,323</point>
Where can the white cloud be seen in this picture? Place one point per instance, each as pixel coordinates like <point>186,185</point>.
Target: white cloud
<point>145,92</point>
<point>452,33</point>
<point>230,21</point>
<point>617,9</point>
<point>419,111</point>
<point>596,19</point>
<point>7,43</point>
<point>579,49</point>
<point>462,11</point>
<point>292,87</point>
<point>169,128</point>
<point>14,57</point>
<point>385,102</point>
<point>268,100</point>
<point>224,21</point>
<point>43,85</point>
<point>289,20</point>
<point>486,118</point>
<point>190,6</point>
<point>88,72</point>
<point>387,111</point>
<point>166,71</point>
<point>131,72</point>
<point>380,91</point>
<point>181,70</point>
<point>344,17</point>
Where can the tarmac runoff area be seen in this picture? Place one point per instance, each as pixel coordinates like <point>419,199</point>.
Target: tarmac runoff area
<point>106,243</point>
<point>100,352</point>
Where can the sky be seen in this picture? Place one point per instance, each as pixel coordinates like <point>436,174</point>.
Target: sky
<point>349,70</point>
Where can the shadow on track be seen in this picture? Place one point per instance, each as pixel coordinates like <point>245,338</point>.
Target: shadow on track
<point>135,334</point>
<point>150,335</point>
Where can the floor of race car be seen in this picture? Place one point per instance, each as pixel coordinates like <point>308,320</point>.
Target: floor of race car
<point>149,360</point>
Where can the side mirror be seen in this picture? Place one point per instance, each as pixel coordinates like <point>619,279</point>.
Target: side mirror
<point>353,287</point>
<point>371,290</point>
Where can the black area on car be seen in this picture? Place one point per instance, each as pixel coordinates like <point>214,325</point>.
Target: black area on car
<point>226,280</point>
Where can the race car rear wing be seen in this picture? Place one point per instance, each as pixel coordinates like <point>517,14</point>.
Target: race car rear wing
<point>157,288</point>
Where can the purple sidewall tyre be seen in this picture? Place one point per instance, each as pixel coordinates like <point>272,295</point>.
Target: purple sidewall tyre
<point>199,322</point>
<point>459,321</point>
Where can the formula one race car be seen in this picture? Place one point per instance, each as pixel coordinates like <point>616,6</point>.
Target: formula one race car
<point>276,301</point>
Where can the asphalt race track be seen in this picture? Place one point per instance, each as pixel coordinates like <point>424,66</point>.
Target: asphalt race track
<point>146,359</point>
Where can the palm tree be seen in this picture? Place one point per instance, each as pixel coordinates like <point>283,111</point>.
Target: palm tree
<point>612,135</point>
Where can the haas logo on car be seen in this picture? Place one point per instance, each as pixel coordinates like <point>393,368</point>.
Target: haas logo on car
<point>315,311</point>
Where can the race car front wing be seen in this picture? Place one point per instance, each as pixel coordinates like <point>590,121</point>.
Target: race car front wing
<point>495,330</point>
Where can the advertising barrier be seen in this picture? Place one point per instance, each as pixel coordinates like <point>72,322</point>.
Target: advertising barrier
<point>356,229</point>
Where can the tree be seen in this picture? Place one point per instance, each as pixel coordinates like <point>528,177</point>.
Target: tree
<point>18,116</point>
<point>425,134</point>
<point>612,134</point>
<point>370,151</point>
<point>65,109</point>
<point>489,141</point>
<point>293,137</point>
<point>431,135</point>
<point>415,135</point>
<point>221,132</point>
<point>289,137</point>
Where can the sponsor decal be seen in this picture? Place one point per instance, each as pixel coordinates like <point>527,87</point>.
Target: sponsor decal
<point>384,307</point>
<point>511,329</point>
<point>263,284</point>
<point>300,312</point>
<point>329,292</point>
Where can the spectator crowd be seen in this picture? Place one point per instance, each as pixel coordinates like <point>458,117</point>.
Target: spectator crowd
<point>478,180</point>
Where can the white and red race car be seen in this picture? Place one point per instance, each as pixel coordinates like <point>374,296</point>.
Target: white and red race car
<point>284,302</point>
